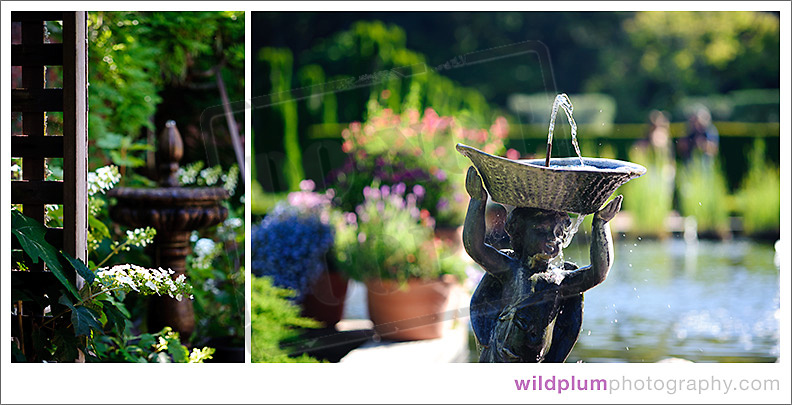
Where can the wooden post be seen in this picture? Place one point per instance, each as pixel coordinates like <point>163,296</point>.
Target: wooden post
<point>75,136</point>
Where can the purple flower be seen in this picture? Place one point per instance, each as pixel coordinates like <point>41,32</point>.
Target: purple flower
<point>350,218</point>
<point>442,204</point>
<point>419,191</point>
<point>400,189</point>
<point>385,190</point>
<point>441,175</point>
<point>361,237</point>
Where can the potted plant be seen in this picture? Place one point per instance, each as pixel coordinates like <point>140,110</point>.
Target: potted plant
<point>417,150</point>
<point>387,243</point>
<point>291,246</point>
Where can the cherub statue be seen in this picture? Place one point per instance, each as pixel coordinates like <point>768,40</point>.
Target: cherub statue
<point>526,310</point>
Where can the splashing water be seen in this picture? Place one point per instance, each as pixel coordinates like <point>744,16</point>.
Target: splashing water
<point>573,230</point>
<point>562,100</point>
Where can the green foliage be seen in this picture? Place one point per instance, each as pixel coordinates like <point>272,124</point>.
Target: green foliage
<point>220,286</point>
<point>650,198</point>
<point>594,111</point>
<point>134,56</point>
<point>162,347</point>
<point>30,234</point>
<point>703,194</point>
<point>759,198</point>
<point>281,77</point>
<point>123,92</point>
<point>384,74</point>
<point>262,202</point>
<point>274,321</point>
<point>669,55</point>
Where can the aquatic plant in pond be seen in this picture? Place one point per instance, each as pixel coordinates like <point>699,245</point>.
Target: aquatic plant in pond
<point>759,197</point>
<point>650,200</point>
<point>703,194</point>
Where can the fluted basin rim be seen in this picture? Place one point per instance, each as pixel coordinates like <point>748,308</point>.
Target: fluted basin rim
<point>568,187</point>
<point>178,196</point>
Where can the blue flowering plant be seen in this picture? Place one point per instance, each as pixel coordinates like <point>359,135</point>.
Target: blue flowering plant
<point>291,243</point>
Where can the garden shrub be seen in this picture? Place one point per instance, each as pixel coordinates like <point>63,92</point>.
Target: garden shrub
<point>275,320</point>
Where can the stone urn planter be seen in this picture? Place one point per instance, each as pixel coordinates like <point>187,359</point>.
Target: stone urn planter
<point>415,311</point>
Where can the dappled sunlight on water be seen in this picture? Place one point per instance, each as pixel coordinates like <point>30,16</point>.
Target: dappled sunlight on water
<point>709,302</point>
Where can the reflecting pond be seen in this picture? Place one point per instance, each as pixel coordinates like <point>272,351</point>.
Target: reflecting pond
<point>704,302</point>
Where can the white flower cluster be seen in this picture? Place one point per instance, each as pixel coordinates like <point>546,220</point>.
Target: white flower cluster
<point>210,175</point>
<point>103,179</point>
<point>129,277</point>
<point>231,179</point>
<point>140,236</point>
<point>189,174</point>
<point>205,251</point>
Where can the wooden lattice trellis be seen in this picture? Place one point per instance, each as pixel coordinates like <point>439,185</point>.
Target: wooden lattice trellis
<point>34,100</point>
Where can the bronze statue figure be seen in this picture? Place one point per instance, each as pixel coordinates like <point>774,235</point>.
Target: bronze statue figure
<point>525,309</point>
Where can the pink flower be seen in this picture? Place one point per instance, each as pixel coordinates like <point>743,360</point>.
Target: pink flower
<point>512,154</point>
<point>419,191</point>
<point>307,185</point>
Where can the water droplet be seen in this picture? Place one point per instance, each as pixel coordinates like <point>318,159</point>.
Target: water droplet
<point>600,110</point>
<point>630,265</point>
<point>639,238</point>
<point>635,244</point>
<point>700,204</point>
<point>627,347</point>
<point>589,333</point>
<point>669,306</point>
<point>615,321</point>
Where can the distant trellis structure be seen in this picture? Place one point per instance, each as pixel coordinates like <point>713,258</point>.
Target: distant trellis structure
<point>33,55</point>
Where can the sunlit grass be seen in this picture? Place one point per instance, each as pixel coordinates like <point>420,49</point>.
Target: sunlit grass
<point>703,194</point>
<point>759,198</point>
<point>649,198</point>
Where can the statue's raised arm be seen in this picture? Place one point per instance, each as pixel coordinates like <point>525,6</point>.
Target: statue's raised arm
<point>492,260</point>
<point>601,252</point>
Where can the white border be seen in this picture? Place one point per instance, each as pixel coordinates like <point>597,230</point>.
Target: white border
<point>339,383</point>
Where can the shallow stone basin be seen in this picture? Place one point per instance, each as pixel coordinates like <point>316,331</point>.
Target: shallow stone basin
<point>563,186</point>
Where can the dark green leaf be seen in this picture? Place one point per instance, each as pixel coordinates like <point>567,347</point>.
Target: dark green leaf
<point>66,346</point>
<point>115,317</point>
<point>81,268</point>
<point>179,352</point>
<point>17,355</point>
<point>147,340</point>
<point>30,234</point>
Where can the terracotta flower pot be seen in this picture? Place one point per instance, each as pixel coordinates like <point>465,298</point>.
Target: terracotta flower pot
<point>325,302</point>
<point>417,312</point>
